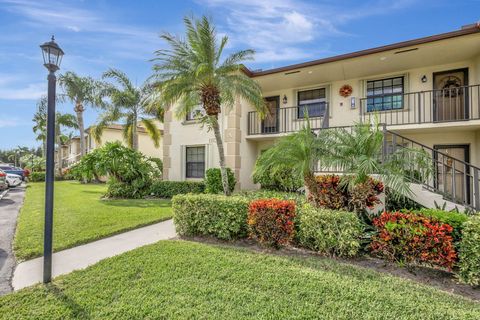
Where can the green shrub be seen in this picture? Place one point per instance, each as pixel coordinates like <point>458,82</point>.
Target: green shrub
<point>454,219</point>
<point>168,189</point>
<point>268,194</point>
<point>213,180</point>
<point>215,215</point>
<point>271,221</point>
<point>469,253</point>
<point>279,178</point>
<point>328,231</point>
<point>130,173</point>
<point>37,176</point>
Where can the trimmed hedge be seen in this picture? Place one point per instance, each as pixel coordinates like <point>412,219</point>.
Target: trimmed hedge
<point>331,232</point>
<point>168,189</point>
<point>213,180</point>
<point>37,176</point>
<point>215,215</point>
<point>469,253</point>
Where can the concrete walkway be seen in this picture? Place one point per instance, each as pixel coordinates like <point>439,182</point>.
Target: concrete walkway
<point>30,272</point>
<point>9,207</point>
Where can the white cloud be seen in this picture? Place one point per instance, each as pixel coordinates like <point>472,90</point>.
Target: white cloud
<point>8,122</point>
<point>31,91</point>
<point>278,29</point>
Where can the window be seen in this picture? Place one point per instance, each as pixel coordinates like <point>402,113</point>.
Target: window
<point>196,113</point>
<point>385,94</point>
<point>195,162</point>
<point>312,101</point>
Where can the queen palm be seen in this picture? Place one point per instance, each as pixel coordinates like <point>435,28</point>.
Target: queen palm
<point>40,123</point>
<point>80,91</point>
<point>191,73</point>
<point>126,103</point>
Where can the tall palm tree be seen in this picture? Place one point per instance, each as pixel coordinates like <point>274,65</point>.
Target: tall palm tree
<point>299,151</point>
<point>127,103</point>
<point>40,123</point>
<point>80,91</point>
<point>192,72</point>
<point>62,120</point>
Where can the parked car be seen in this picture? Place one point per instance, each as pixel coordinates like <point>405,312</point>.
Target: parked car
<point>13,170</point>
<point>3,180</point>
<point>13,180</point>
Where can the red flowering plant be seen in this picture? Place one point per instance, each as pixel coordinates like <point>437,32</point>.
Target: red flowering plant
<point>411,238</point>
<point>271,221</point>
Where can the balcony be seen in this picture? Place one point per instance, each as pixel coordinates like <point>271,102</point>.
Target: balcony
<point>433,106</point>
<point>290,119</point>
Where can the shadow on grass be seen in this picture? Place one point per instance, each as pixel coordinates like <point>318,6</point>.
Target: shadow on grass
<point>78,311</point>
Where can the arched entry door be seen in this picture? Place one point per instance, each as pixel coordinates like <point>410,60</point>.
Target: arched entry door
<point>450,95</point>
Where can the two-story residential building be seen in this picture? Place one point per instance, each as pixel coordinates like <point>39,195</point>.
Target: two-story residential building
<point>425,90</point>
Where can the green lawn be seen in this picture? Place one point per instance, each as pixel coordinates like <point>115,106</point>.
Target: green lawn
<point>80,216</point>
<point>186,280</point>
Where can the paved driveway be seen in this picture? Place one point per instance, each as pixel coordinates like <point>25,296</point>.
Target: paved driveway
<point>9,207</point>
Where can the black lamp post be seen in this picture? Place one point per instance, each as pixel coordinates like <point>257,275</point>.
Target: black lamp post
<point>52,56</point>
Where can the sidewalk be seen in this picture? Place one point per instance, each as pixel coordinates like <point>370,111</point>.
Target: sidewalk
<point>9,207</point>
<point>30,272</point>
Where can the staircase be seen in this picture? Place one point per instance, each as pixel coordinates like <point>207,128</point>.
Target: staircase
<point>453,183</point>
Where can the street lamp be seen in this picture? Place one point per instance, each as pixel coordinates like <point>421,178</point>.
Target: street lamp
<point>52,56</point>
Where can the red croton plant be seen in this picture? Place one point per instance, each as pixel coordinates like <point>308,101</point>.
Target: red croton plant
<point>412,238</point>
<point>271,221</point>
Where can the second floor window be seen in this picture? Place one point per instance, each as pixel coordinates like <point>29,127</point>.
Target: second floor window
<point>195,162</point>
<point>385,94</point>
<point>196,113</point>
<point>313,102</point>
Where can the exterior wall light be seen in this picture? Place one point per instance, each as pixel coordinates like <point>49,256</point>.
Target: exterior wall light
<point>424,78</point>
<point>285,100</point>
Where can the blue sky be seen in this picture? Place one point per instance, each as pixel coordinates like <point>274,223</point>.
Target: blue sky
<point>97,35</point>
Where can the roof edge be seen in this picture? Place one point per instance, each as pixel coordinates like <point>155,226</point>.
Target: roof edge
<point>466,30</point>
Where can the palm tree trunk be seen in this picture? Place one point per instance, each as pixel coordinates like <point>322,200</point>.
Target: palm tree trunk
<point>134,137</point>
<point>79,111</point>
<point>221,154</point>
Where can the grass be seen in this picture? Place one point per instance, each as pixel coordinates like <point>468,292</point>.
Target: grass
<point>186,280</point>
<point>80,216</point>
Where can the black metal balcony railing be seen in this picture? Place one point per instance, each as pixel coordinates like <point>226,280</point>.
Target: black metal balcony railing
<point>433,106</point>
<point>288,119</point>
<point>456,180</point>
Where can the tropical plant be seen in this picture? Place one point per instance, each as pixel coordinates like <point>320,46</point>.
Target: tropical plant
<point>300,151</point>
<point>129,104</point>
<point>358,151</point>
<point>40,123</point>
<point>192,73</point>
<point>80,91</point>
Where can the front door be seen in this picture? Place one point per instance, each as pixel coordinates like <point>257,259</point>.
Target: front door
<point>270,123</point>
<point>450,95</point>
<point>452,177</point>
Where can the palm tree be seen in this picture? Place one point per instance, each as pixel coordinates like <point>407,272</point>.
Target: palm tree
<point>359,152</point>
<point>80,91</point>
<point>191,73</point>
<point>300,152</point>
<point>129,104</point>
<point>61,120</point>
<point>40,123</point>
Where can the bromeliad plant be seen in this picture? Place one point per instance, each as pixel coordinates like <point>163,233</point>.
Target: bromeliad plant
<point>192,72</point>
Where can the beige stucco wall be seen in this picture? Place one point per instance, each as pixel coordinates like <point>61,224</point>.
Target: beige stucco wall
<point>242,150</point>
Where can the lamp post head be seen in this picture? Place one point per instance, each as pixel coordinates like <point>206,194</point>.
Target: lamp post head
<point>52,55</point>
